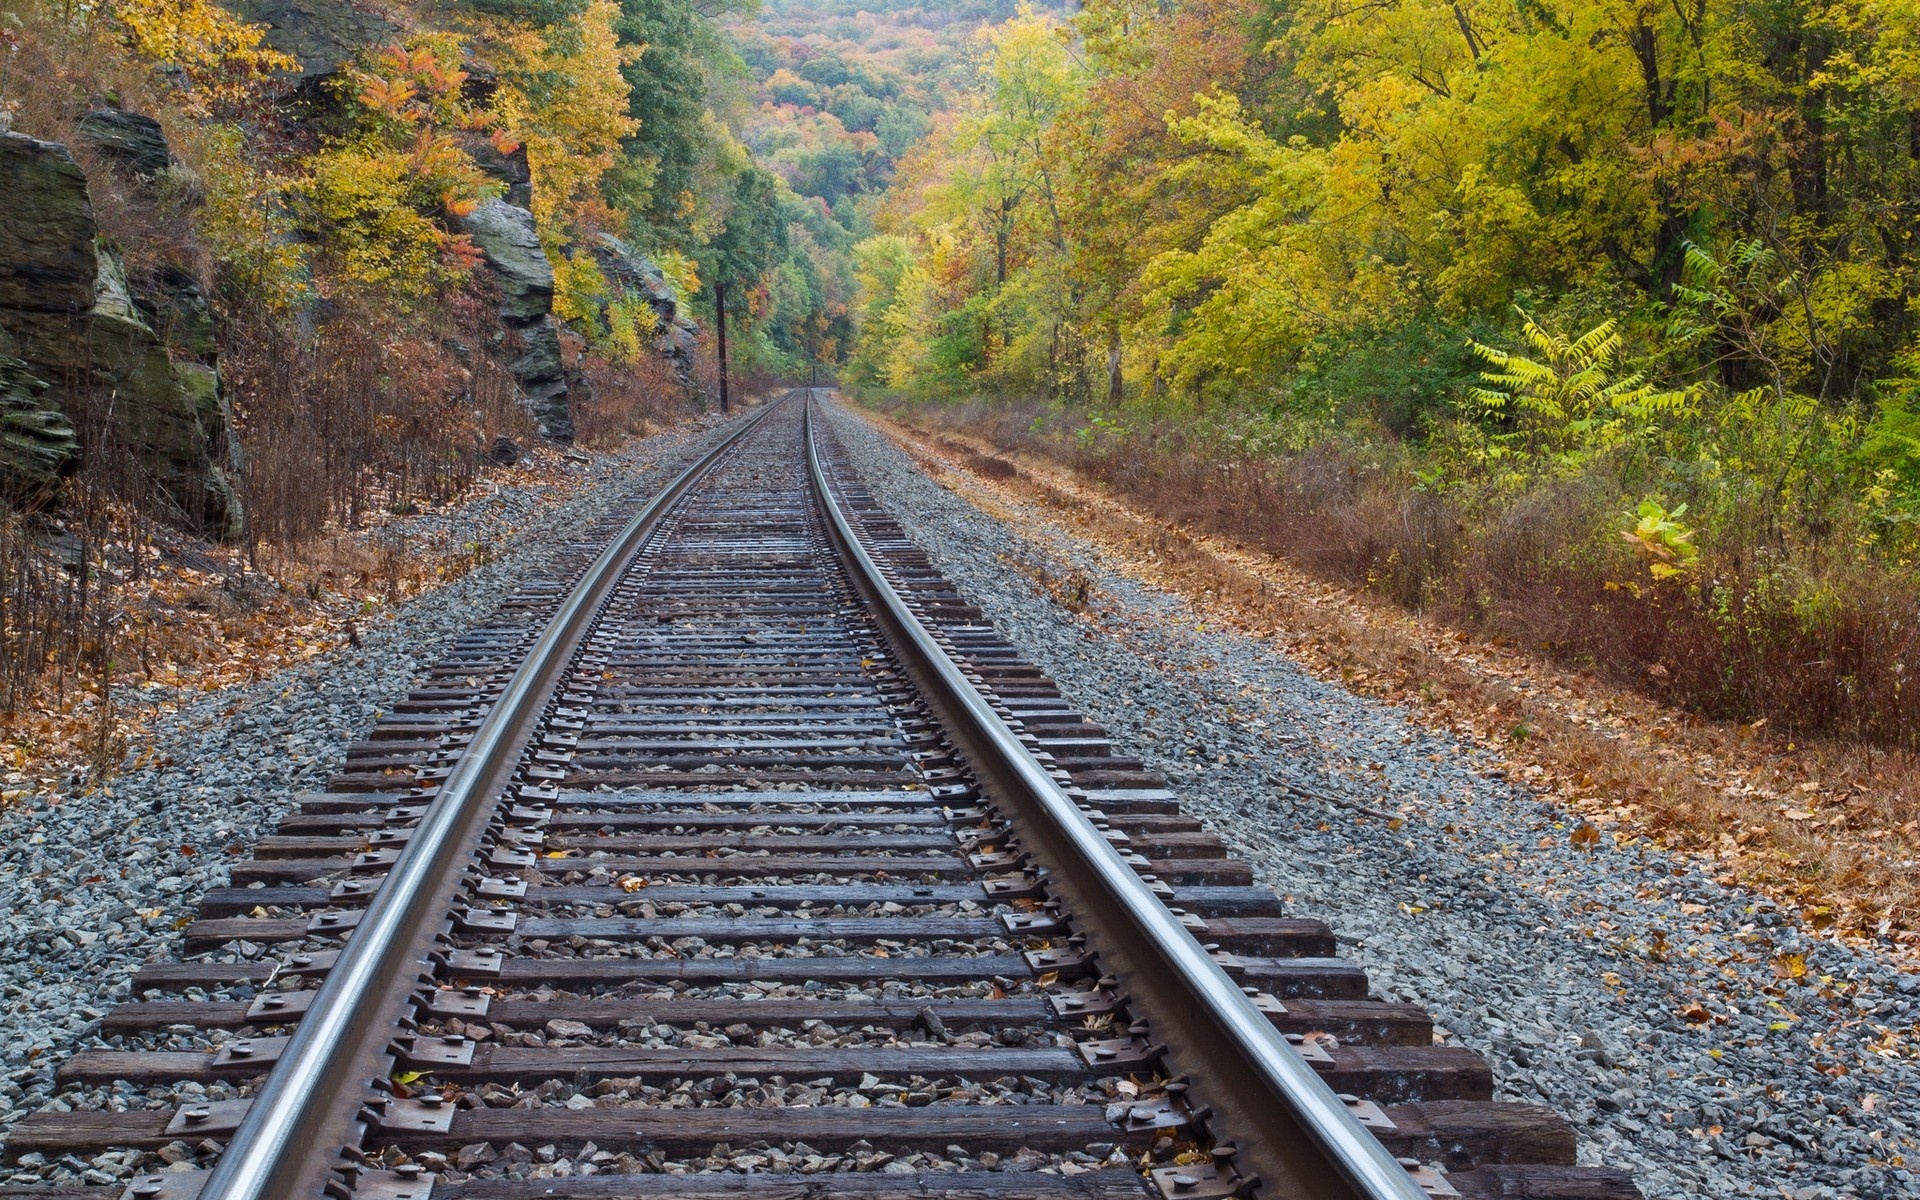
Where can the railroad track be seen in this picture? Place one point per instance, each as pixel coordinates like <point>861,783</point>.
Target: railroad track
<point>742,858</point>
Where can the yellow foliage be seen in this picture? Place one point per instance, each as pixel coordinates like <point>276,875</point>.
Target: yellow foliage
<point>562,96</point>
<point>246,225</point>
<point>221,56</point>
<point>579,288</point>
<point>382,191</point>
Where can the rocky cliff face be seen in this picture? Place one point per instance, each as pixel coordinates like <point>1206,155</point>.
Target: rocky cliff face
<point>506,236</point>
<point>131,362</point>
<point>38,448</point>
<point>319,35</point>
<point>675,335</point>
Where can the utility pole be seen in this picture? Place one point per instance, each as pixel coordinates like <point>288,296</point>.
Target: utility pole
<point>720,320</point>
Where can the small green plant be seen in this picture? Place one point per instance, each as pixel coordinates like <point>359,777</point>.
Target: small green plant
<point>1097,424</point>
<point>1659,538</point>
<point>1569,399</point>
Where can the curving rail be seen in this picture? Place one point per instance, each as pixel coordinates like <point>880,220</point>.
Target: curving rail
<point>1295,1135</point>
<point>748,830</point>
<point>289,1141</point>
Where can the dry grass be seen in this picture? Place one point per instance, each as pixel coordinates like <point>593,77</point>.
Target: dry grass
<point>627,402</point>
<point>1825,826</point>
<point>1800,631</point>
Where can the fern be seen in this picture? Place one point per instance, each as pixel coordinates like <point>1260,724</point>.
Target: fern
<point>1566,396</point>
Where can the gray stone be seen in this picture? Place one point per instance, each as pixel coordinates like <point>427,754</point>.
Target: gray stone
<point>47,263</point>
<point>319,35</point>
<point>506,235</point>
<point>638,277</point>
<point>130,139</point>
<point>539,360</point>
<point>167,406</point>
<point>143,357</point>
<point>38,448</point>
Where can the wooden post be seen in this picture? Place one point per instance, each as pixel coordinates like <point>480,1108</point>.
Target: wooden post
<point>720,322</point>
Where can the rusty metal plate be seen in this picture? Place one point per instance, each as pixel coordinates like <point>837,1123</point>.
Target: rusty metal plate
<point>208,1118</point>
<point>317,962</point>
<point>1013,887</point>
<point>174,1185</point>
<point>1059,960</point>
<point>261,1052</point>
<point>494,888</point>
<point>1310,1049</point>
<point>421,1050</point>
<point>1428,1180</point>
<point>429,1113</point>
<point>486,920</point>
<point>1162,890</point>
<point>1153,1116</point>
<point>1084,1002</point>
<point>458,1002</point>
<point>334,924</point>
<point>1035,923</point>
<point>401,1184</point>
<point>1192,921</point>
<point>1201,1181</point>
<point>354,889</point>
<point>374,860</point>
<point>502,857</point>
<point>975,839</point>
<point>1117,1054</point>
<point>1229,963</point>
<point>1367,1113</point>
<point>270,1008</point>
<point>477,963</point>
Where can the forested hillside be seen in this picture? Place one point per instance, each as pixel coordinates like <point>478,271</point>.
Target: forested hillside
<point>1593,324</point>
<point>842,91</point>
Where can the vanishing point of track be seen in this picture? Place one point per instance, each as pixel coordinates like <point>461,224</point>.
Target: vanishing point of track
<point>738,856</point>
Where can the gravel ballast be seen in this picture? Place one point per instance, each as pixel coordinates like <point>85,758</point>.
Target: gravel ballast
<point>1619,985</point>
<point>227,765</point>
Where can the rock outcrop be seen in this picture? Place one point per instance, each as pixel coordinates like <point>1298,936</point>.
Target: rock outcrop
<point>133,360</point>
<point>38,448</point>
<point>675,336</point>
<point>507,238</point>
<point>319,35</point>
<point>133,141</point>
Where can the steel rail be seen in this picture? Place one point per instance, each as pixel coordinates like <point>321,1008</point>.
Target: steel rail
<point>292,1137</point>
<point>1291,1131</point>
